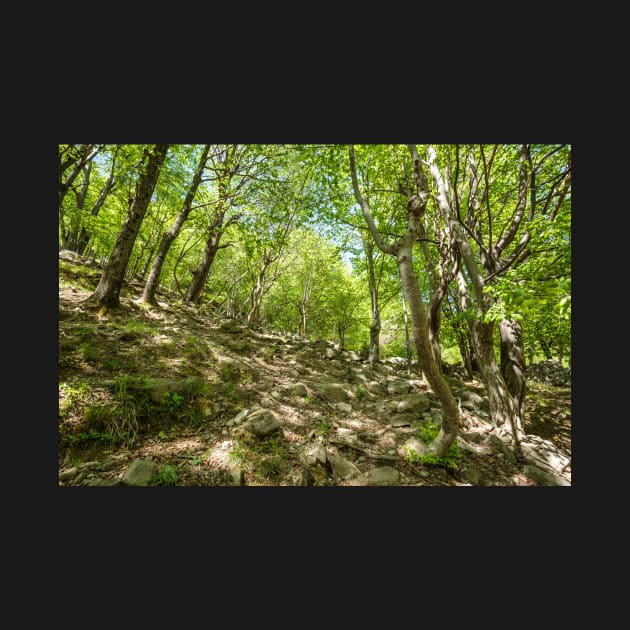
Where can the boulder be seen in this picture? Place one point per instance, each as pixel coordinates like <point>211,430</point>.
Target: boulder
<point>139,472</point>
<point>262,423</point>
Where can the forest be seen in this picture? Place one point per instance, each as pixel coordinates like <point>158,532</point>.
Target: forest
<point>314,314</point>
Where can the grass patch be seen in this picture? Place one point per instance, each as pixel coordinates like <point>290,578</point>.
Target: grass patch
<point>427,433</point>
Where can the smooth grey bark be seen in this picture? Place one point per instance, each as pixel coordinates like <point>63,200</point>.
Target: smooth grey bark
<point>73,162</point>
<point>107,293</point>
<point>200,274</point>
<point>70,239</point>
<point>504,410</point>
<point>513,361</point>
<point>402,250</point>
<point>110,184</point>
<point>375,325</point>
<point>148,294</point>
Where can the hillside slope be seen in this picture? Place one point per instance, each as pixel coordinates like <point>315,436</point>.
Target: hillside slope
<point>176,396</point>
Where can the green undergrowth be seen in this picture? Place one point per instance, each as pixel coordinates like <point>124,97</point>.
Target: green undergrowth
<point>427,433</point>
<point>117,412</point>
<point>263,459</point>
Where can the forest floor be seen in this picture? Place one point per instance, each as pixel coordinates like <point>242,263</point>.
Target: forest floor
<point>174,385</point>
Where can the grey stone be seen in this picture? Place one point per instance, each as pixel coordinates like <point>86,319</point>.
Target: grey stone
<point>97,481</point>
<point>299,389</point>
<point>262,423</point>
<point>313,454</point>
<point>472,473</point>
<point>342,468</point>
<point>238,418</point>
<point>404,420</point>
<point>499,446</point>
<point>236,476</point>
<point>345,407</point>
<point>383,476</point>
<point>139,472</point>
<point>397,387</point>
<point>332,392</point>
<point>374,388</point>
<point>68,474</point>
<point>544,454</point>
<point>474,437</point>
<point>543,477</point>
<point>411,403</point>
<point>478,449</point>
<point>90,466</point>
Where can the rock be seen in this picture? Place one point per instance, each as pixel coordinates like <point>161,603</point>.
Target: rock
<point>302,478</point>
<point>474,437</point>
<point>345,407</point>
<point>543,477</point>
<point>66,254</point>
<point>342,468</point>
<point>543,454</point>
<point>416,383</point>
<point>499,446</point>
<point>480,449</point>
<point>332,392</point>
<point>97,481</point>
<point>71,473</point>
<point>236,476</point>
<point>299,389</point>
<point>374,388</point>
<point>410,403</point>
<point>231,326</point>
<point>262,423</point>
<point>550,372</point>
<point>314,454</point>
<point>238,418</point>
<point>472,473</point>
<point>382,476</point>
<point>139,472</point>
<point>396,387</point>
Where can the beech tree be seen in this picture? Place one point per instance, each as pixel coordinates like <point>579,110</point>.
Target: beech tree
<point>486,199</point>
<point>402,250</point>
<point>148,295</point>
<point>107,293</point>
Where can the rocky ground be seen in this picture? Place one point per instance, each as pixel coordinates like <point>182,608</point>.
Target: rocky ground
<point>178,396</point>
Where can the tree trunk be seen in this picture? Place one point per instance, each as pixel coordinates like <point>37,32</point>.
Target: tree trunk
<point>513,363</point>
<point>430,368</point>
<point>402,250</point>
<point>464,350</point>
<point>148,295</point>
<point>375,326</point>
<point>72,238</point>
<point>504,411</point>
<point>84,237</point>
<point>253,316</point>
<point>200,274</point>
<point>107,292</point>
<point>408,351</point>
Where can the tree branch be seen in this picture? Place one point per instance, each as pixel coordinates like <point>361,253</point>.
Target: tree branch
<point>386,247</point>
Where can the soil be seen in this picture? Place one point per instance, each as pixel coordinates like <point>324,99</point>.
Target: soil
<point>106,417</point>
